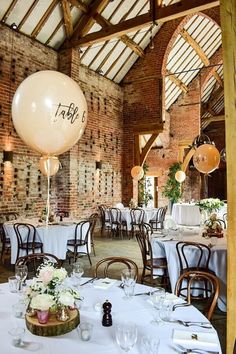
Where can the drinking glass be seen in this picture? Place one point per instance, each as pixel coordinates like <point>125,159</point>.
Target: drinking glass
<point>149,345</point>
<point>126,335</point>
<point>128,278</point>
<point>21,272</point>
<point>77,272</point>
<point>157,296</point>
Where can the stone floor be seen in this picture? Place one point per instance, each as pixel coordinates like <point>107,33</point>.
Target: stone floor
<point>105,247</point>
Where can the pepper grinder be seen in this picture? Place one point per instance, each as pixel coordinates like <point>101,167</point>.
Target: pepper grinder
<point>107,319</point>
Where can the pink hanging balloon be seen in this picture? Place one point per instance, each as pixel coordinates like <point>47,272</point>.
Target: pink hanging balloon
<point>206,158</point>
<point>49,112</point>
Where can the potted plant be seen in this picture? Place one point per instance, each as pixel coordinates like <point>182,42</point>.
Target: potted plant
<point>144,194</point>
<point>172,189</point>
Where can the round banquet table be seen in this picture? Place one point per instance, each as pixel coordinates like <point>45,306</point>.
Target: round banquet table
<point>186,214</point>
<point>137,310</point>
<point>54,238</point>
<point>165,246</point>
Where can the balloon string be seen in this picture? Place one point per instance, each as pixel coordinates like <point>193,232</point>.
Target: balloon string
<point>48,192</point>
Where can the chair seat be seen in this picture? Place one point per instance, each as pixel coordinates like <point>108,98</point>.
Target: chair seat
<point>75,243</point>
<point>201,269</point>
<point>31,245</point>
<point>157,263</point>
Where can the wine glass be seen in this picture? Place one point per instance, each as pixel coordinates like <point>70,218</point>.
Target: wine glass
<point>77,272</point>
<point>157,296</point>
<point>21,272</point>
<point>126,335</point>
<point>128,278</point>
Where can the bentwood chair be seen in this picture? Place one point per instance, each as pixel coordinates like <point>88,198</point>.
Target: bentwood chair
<point>158,221</point>
<point>137,218</point>
<point>211,284</point>
<point>6,244</point>
<point>102,267</point>
<point>93,219</point>
<point>33,261</point>
<point>193,257</point>
<point>118,226</point>
<point>79,245</point>
<point>151,265</point>
<point>105,219</point>
<point>27,239</point>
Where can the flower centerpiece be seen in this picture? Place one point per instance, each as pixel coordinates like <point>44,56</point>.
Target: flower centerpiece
<point>49,293</point>
<point>210,204</point>
<point>213,227</point>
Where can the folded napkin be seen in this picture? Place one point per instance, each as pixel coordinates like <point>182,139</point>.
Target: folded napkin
<point>105,283</point>
<point>195,339</point>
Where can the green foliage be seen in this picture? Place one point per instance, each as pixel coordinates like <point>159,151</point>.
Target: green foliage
<point>172,189</point>
<point>144,194</point>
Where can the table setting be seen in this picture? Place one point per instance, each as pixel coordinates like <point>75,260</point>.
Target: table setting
<point>110,321</point>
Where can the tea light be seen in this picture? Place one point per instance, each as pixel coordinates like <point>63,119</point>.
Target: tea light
<point>85,334</point>
<point>16,342</point>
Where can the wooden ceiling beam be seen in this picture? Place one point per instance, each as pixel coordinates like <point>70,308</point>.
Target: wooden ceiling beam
<point>177,81</point>
<point>163,14</point>
<point>191,41</point>
<point>30,10</point>
<point>44,18</point>
<point>67,18</point>
<point>206,121</point>
<point>147,148</point>
<point>87,21</point>
<point>103,22</point>
<point>9,10</point>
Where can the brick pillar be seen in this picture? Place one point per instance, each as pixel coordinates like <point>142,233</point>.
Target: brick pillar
<point>68,63</point>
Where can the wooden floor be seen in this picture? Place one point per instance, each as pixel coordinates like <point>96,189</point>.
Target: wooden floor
<point>105,247</point>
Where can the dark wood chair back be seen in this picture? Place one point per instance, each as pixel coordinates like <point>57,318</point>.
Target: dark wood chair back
<point>115,215</point>
<point>33,261</point>
<point>158,221</point>
<point>137,216</point>
<point>200,260</point>
<point>103,266</point>
<point>81,238</point>
<point>26,239</point>
<point>211,284</point>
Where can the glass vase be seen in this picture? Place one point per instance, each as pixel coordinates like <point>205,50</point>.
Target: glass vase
<point>63,314</point>
<point>43,316</point>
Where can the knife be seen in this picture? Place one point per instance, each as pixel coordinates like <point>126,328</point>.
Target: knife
<point>89,281</point>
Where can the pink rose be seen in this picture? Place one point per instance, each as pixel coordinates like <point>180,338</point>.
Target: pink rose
<point>46,274</point>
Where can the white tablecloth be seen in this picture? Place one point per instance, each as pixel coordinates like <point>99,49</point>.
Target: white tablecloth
<point>218,260</point>
<point>137,310</point>
<point>53,237</point>
<point>186,214</point>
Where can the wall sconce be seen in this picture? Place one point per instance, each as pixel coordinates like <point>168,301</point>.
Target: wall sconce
<point>98,165</point>
<point>7,156</point>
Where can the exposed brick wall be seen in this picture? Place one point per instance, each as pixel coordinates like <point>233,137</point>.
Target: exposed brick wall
<point>142,104</point>
<point>77,187</point>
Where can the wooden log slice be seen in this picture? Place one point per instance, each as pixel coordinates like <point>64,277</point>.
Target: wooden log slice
<point>53,327</point>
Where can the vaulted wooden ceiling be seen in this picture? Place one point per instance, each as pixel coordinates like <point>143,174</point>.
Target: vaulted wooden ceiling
<point>112,34</point>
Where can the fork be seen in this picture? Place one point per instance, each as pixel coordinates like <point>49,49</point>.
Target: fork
<point>197,351</point>
<point>190,323</point>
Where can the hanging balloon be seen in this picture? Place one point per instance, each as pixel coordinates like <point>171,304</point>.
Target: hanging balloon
<point>206,158</point>
<point>137,173</point>
<point>180,176</point>
<point>49,165</point>
<point>49,112</point>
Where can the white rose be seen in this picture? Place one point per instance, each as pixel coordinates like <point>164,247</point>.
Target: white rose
<point>60,274</point>
<point>66,299</point>
<point>42,302</point>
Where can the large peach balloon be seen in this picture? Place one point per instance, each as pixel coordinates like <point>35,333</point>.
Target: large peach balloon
<point>49,165</point>
<point>206,158</point>
<point>49,112</point>
<point>180,176</point>
<point>137,173</point>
